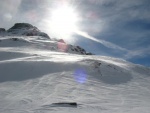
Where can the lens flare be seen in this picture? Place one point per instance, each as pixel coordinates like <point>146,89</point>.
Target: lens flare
<point>80,76</point>
<point>62,46</point>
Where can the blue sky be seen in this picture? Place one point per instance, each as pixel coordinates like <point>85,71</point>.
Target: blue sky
<point>116,28</point>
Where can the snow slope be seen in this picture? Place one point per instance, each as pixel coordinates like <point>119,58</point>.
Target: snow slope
<point>34,74</point>
<point>25,29</point>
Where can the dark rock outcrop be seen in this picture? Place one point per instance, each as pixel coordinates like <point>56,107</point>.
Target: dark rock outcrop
<point>20,26</point>
<point>80,50</point>
<point>2,30</point>
<point>26,29</point>
<point>89,54</point>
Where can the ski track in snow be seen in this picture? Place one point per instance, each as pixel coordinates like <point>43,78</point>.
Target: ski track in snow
<point>32,78</point>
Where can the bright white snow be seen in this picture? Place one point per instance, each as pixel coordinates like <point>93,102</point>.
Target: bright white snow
<point>34,74</point>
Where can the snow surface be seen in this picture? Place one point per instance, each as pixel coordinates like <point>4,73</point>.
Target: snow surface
<point>34,74</point>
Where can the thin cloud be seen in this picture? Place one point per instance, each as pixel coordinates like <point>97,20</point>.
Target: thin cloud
<point>124,22</point>
<point>8,9</point>
<point>105,43</point>
<point>138,53</point>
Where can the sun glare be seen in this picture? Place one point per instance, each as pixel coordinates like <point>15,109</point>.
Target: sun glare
<point>64,20</point>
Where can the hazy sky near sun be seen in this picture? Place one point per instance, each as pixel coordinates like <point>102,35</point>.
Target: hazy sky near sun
<point>118,28</point>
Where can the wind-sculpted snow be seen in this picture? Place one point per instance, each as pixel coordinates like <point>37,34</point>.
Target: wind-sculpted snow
<point>33,34</point>
<point>35,77</point>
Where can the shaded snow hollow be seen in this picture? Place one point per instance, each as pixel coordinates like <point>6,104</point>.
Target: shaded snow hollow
<point>35,77</point>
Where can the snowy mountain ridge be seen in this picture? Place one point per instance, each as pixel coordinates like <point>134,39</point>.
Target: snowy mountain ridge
<point>38,75</point>
<point>25,29</point>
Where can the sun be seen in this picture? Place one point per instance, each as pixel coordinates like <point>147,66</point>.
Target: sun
<point>64,21</point>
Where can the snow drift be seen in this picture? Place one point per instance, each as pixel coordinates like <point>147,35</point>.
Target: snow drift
<point>37,77</point>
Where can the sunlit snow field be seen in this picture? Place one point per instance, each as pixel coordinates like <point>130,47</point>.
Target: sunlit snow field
<point>34,75</point>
